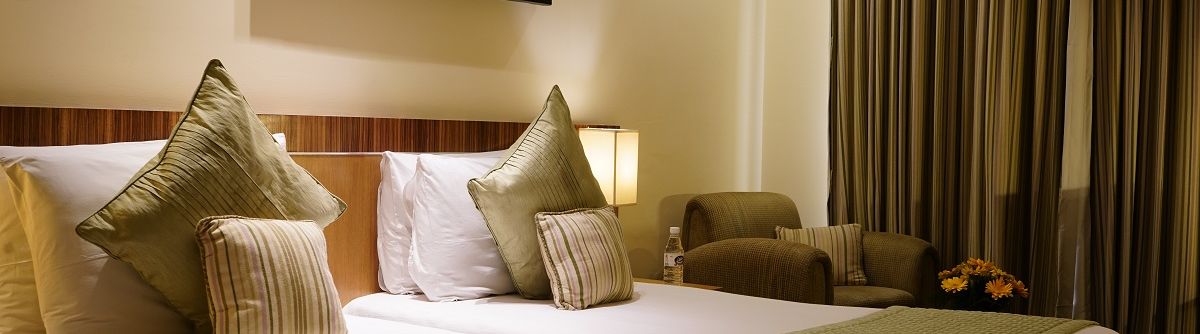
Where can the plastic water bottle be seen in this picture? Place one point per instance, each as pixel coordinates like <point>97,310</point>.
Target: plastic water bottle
<point>673,259</point>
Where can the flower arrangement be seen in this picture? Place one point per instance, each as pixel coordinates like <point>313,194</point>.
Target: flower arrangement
<point>980,285</point>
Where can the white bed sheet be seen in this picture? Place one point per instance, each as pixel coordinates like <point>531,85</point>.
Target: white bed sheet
<point>364,325</point>
<point>654,309</point>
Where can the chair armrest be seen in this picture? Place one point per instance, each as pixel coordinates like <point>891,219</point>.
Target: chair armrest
<point>761,267</point>
<point>901,262</point>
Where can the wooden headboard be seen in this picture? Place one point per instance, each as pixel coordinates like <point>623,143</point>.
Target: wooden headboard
<point>341,152</point>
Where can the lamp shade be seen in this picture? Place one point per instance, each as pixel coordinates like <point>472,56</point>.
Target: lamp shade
<point>613,155</point>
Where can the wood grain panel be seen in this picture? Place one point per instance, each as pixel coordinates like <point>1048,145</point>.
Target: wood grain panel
<point>37,126</point>
<point>353,259</point>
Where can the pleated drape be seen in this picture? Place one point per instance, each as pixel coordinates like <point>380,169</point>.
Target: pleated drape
<point>946,124</point>
<point>1145,167</point>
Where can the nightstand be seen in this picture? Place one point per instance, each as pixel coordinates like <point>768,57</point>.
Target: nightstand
<point>690,285</point>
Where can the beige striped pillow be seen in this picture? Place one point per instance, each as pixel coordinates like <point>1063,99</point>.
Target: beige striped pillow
<point>843,243</point>
<point>585,257</point>
<point>268,276</point>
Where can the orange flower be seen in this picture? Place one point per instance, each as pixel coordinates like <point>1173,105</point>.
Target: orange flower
<point>1020,289</point>
<point>944,274</point>
<point>998,288</point>
<point>954,284</point>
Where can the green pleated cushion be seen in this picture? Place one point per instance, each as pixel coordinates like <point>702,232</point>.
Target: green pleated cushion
<point>545,171</point>
<point>220,160</point>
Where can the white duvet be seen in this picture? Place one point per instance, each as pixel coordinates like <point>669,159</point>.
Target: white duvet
<point>654,309</point>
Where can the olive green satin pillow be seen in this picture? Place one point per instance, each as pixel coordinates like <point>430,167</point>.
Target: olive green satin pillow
<point>220,160</point>
<point>545,171</point>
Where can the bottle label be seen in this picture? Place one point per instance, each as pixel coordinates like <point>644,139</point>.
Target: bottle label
<point>673,259</point>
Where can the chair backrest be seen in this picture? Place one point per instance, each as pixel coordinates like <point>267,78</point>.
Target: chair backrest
<point>720,216</point>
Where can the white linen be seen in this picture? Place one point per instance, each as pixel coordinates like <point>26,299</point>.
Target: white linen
<point>453,255</point>
<point>394,222</point>
<point>365,325</point>
<point>80,288</point>
<point>654,309</point>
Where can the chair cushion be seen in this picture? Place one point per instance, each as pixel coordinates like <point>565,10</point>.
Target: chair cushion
<point>871,296</point>
<point>843,244</point>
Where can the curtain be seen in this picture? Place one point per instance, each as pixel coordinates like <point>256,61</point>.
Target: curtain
<point>946,124</point>
<point>1145,166</point>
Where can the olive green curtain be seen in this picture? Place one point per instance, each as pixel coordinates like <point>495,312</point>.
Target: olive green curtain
<point>1145,166</point>
<point>946,124</point>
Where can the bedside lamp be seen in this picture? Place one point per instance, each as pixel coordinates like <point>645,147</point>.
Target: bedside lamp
<point>613,155</point>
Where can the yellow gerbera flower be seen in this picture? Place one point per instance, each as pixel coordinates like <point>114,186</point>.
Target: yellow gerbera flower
<point>954,284</point>
<point>998,288</point>
<point>1019,288</point>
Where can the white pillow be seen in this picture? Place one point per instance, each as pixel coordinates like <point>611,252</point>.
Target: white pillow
<point>394,222</point>
<point>18,292</point>
<point>453,254</point>
<point>80,288</point>
<point>281,140</point>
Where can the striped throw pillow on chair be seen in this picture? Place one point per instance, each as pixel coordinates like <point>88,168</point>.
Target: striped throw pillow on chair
<point>843,243</point>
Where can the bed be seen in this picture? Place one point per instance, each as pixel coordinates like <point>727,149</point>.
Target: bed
<point>339,151</point>
<point>357,324</point>
<point>655,308</point>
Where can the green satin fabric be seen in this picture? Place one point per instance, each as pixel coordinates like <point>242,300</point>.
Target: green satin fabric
<point>220,160</point>
<point>545,171</point>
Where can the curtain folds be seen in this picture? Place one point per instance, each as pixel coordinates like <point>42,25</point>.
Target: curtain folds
<point>953,121</point>
<point>1145,166</point>
<point>946,124</point>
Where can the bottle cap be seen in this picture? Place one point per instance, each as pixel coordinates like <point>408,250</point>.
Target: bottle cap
<point>674,229</point>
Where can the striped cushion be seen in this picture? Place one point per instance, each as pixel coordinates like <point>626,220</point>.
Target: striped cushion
<point>220,160</point>
<point>843,243</point>
<point>585,257</point>
<point>545,171</point>
<point>268,276</point>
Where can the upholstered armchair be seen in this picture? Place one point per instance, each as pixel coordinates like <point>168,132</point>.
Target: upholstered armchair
<point>730,242</point>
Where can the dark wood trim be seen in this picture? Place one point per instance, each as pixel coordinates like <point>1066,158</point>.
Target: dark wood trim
<point>37,126</point>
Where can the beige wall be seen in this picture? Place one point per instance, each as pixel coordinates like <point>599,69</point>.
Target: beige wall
<point>689,74</point>
<point>796,113</point>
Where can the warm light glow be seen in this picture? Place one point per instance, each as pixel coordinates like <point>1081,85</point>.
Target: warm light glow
<point>613,155</point>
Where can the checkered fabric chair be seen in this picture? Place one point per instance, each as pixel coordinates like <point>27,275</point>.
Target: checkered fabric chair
<point>730,242</point>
